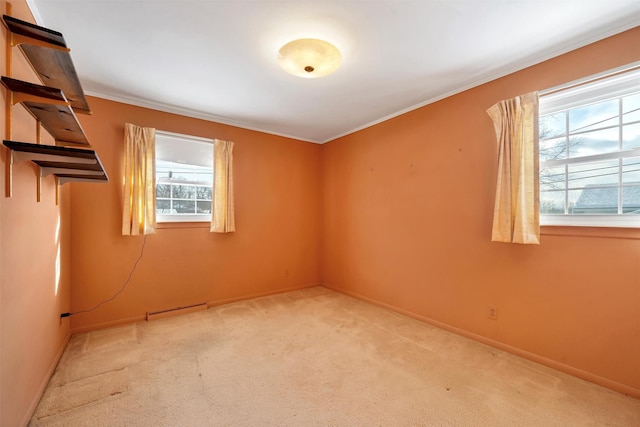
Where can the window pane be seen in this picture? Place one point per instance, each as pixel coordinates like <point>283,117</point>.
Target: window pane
<point>594,116</point>
<point>552,202</point>
<point>552,149</point>
<point>552,178</point>
<point>594,174</point>
<point>184,192</point>
<point>598,142</point>
<point>631,136</point>
<point>184,175</point>
<point>204,207</point>
<point>203,193</point>
<point>204,177</point>
<point>161,174</point>
<point>184,206</point>
<point>631,170</point>
<point>163,191</point>
<point>181,175</point>
<point>553,125</point>
<point>163,206</point>
<point>599,179</point>
<point>631,108</point>
<point>594,201</point>
<point>631,200</point>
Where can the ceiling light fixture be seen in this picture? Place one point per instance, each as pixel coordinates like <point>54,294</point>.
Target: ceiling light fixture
<point>309,58</point>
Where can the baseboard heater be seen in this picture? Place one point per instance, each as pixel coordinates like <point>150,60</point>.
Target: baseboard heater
<point>152,315</point>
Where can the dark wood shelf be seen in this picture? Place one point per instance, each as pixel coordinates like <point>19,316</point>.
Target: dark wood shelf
<point>67,163</point>
<point>49,56</point>
<point>51,108</point>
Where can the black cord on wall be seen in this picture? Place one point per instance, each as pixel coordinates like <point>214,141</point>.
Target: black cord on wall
<point>122,288</point>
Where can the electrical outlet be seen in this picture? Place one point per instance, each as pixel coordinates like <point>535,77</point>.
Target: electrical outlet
<point>492,312</point>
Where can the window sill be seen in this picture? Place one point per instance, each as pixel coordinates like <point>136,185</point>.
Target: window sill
<point>600,221</point>
<point>192,224</point>
<point>582,231</point>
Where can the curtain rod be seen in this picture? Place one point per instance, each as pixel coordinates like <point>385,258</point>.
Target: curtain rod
<point>591,79</point>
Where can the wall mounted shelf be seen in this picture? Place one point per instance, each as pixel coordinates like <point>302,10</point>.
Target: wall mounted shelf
<point>53,105</point>
<point>50,107</point>
<point>49,56</point>
<point>67,163</point>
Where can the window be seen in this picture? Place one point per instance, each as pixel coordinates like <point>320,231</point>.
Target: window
<point>590,152</point>
<point>184,177</point>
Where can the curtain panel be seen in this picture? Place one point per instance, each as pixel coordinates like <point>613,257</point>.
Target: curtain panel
<point>139,198</point>
<point>516,215</point>
<point>222,211</point>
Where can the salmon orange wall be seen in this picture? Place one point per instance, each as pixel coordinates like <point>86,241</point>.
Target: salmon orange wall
<point>408,211</point>
<point>398,214</point>
<point>34,263</point>
<point>276,246</point>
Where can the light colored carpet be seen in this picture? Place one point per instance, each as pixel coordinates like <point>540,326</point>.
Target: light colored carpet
<point>310,358</point>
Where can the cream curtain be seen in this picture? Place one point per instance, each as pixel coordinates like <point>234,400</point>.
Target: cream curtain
<point>516,215</point>
<point>139,199</point>
<point>222,216</point>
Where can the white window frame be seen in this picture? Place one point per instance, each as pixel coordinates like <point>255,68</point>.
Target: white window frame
<point>174,218</point>
<point>611,84</point>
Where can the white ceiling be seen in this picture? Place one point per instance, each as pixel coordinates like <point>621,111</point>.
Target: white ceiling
<point>217,59</point>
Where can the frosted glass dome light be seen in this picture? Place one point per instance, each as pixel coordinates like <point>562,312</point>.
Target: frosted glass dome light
<point>309,58</point>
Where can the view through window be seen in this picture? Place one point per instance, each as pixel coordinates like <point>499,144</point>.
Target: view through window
<point>184,177</point>
<point>590,153</point>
